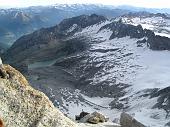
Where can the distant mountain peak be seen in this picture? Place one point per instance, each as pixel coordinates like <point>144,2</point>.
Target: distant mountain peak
<point>82,21</point>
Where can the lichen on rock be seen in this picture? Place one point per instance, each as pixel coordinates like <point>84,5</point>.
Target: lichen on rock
<point>23,106</point>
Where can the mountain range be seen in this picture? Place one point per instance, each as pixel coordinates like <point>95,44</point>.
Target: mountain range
<point>15,22</point>
<point>94,63</point>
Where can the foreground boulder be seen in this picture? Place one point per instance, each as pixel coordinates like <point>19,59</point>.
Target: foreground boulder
<point>23,106</point>
<point>94,118</point>
<point>127,121</point>
<point>82,114</point>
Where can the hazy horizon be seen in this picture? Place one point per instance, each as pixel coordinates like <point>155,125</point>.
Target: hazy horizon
<point>136,3</point>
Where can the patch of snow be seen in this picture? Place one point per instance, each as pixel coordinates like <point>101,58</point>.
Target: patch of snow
<point>93,29</point>
<point>72,28</point>
<point>106,124</point>
<point>155,74</point>
<point>141,109</point>
<point>163,34</point>
<point>102,101</point>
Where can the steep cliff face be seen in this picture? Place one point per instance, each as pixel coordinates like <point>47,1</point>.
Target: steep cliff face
<point>23,106</point>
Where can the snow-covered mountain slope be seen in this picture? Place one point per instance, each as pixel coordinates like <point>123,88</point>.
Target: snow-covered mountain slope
<point>22,106</point>
<point>123,62</point>
<point>91,63</point>
<point>159,23</point>
<point>16,22</point>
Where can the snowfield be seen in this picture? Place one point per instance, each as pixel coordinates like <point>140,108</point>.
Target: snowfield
<point>123,62</point>
<point>140,67</point>
<point>155,74</point>
<point>107,124</point>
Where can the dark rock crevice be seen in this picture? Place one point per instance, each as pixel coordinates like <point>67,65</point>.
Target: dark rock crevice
<point>163,101</point>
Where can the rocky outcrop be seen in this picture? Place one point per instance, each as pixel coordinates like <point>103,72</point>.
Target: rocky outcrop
<point>82,114</point>
<point>122,30</point>
<point>159,43</point>
<point>116,104</point>
<point>81,22</point>
<point>21,105</point>
<point>163,101</point>
<point>154,42</point>
<point>93,118</point>
<point>96,118</point>
<point>127,121</point>
<point>140,43</point>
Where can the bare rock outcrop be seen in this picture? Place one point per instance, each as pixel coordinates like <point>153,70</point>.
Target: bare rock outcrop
<point>93,118</point>
<point>23,106</point>
<point>127,121</point>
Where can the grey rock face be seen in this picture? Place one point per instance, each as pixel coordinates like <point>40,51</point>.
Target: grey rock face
<point>82,114</point>
<point>155,42</point>
<point>82,21</point>
<point>94,118</point>
<point>127,121</point>
<point>163,101</point>
<point>121,30</point>
<point>116,104</point>
<point>159,43</point>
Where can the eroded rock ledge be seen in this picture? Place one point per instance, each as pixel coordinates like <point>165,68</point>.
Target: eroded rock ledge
<point>23,106</point>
